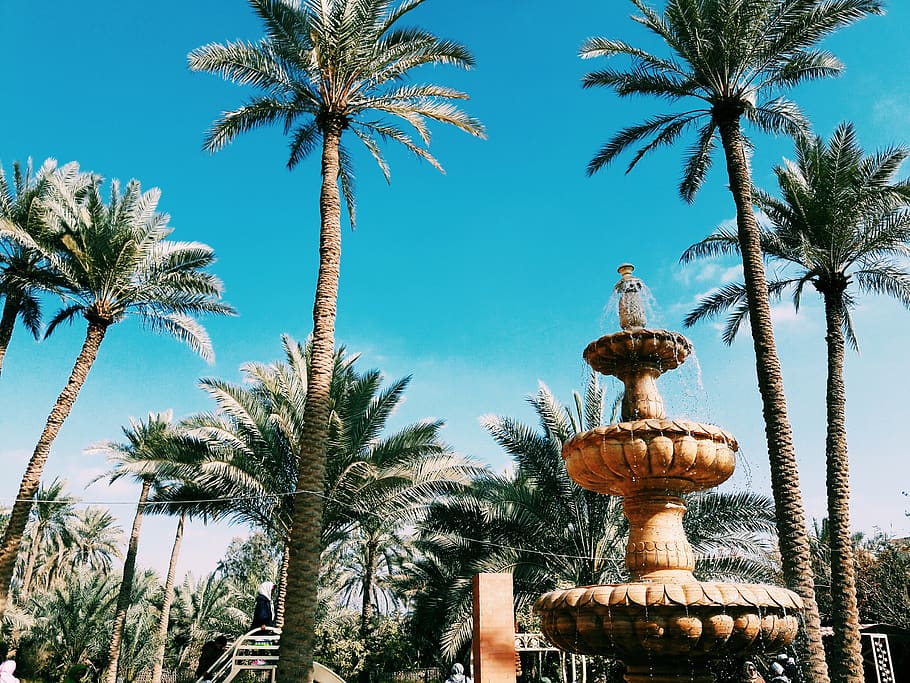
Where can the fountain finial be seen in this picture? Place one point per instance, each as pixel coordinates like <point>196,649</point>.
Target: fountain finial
<point>631,304</point>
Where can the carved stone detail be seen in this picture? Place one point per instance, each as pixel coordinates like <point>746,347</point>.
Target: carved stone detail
<point>676,455</point>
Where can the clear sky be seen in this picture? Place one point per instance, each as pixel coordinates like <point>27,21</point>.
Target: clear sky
<point>480,282</point>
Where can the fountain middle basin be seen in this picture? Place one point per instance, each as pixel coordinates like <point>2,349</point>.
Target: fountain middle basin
<point>663,624</point>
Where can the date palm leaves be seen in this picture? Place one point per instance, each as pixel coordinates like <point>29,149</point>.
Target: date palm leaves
<point>343,64</point>
<point>112,260</point>
<point>730,60</point>
<point>841,223</point>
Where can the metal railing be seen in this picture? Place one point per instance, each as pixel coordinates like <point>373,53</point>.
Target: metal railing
<point>253,651</point>
<point>257,651</point>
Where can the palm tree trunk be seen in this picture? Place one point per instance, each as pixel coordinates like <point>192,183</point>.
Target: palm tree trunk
<point>161,646</point>
<point>31,480</point>
<point>30,559</point>
<point>366,610</point>
<point>846,647</point>
<point>126,587</point>
<point>7,323</point>
<point>298,639</point>
<point>792,534</point>
<point>369,574</point>
<point>281,598</point>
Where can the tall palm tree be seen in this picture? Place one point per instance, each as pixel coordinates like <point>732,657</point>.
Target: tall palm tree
<point>842,219</point>
<point>142,457</point>
<point>115,261</point>
<point>732,59</point>
<point>326,67</point>
<point>539,525</point>
<point>24,273</point>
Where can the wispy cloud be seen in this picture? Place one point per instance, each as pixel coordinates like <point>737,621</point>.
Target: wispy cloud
<point>783,314</point>
<point>892,112</point>
<point>732,274</point>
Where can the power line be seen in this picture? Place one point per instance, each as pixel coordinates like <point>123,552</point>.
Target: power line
<point>260,496</point>
<point>163,503</point>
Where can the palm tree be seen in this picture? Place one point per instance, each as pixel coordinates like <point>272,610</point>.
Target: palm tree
<point>375,482</point>
<point>96,540</point>
<point>369,562</point>
<point>24,274</point>
<point>550,533</point>
<point>138,644</point>
<point>146,443</point>
<point>115,261</point>
<point>842,220</point>
<point>246,466</point>
<point>51,527</point>
<point>380,484</point>
<point>167,602</point>
<point>204,609</point>
<point>733,59</point>
<point>88,539</point>
<point>326,67</point>
<point>71,618</point>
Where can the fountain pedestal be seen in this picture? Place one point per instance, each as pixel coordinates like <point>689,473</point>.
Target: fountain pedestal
<point>664,625</point>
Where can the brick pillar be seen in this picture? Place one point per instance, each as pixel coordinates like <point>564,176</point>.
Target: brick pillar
<point>494,629</point>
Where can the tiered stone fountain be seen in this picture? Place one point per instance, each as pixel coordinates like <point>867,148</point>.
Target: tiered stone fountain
<point>664,625</point>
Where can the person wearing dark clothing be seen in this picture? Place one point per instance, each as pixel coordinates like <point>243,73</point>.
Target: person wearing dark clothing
<point>264,612</point>
<point>211,653</point>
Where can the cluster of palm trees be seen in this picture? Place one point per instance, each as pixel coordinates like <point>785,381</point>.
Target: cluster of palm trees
<point>105,260</point>
<point>64,598</point>
<point>322,65</point>
<point>239,463</point>
<point>297,451</point>
<point>406,525</point>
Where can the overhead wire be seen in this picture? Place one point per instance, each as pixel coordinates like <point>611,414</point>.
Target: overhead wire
<point>260,496</point>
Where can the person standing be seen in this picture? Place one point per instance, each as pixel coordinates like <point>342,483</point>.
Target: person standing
<point>264,612</point>
<point>457,675</point>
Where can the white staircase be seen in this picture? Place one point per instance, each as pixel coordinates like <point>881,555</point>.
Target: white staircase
<point>258,651</point>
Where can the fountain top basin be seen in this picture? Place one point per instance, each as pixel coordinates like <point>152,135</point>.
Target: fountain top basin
<point>615,354</point>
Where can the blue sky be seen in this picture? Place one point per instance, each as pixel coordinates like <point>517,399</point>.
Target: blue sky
<point>479,283</point>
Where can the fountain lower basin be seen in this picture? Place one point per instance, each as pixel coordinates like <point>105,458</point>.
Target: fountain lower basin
<point>645,622</point>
